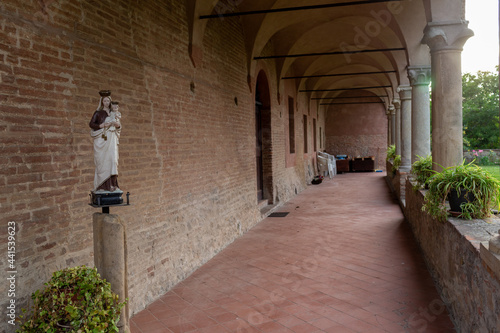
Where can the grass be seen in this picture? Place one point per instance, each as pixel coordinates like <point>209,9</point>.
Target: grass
<point>493,169</point>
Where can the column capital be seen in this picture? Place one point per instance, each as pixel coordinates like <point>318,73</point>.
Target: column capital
<point>404,92</point>
<point>419,75</point>
<point>396,101</point>
<point>442,36</point>
<point>392,110</point>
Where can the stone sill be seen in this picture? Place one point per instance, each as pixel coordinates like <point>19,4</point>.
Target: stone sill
<point>478,233</point>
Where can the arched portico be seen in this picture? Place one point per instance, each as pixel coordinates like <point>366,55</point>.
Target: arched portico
<point>318,43</point>
<point>188,74</point>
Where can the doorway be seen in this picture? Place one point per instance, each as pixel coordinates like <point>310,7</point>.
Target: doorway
<point>263,140</point>
<point>259,148</point>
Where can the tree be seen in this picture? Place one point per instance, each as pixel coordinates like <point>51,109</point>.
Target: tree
<point>480,110</point>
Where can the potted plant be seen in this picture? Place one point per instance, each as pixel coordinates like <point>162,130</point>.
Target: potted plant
<point>391,152</point>
<point>422,171</point>
<point>396,163</point>
<point>394,159</point>
<point>478,189</point>
<point>74,300</point>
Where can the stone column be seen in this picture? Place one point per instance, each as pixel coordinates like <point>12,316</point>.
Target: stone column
<point>446,41</point>
<point>110,258</point>
<point>397,106</point>
<point>420,77</point>
<point>392,110</point>
<point>405,96</point>
<point>389,126</point>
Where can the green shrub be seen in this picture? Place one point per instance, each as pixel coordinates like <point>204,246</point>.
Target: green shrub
<point>422,170</point>
<point>484,159</point>
<point>393,158</point>
<point>396,163</point>
<point>74,300</point>
<point>468,178</point>
<point>391,152</point>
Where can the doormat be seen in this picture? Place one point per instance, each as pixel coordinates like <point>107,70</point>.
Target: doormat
<point>278,214</point>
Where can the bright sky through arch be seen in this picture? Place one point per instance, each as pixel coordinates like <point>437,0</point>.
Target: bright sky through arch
<point>481,51</point>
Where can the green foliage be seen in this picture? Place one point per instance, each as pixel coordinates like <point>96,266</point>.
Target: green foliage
<point>396,163</point>
<point>391,152</point>
<point>464,177</point>
<point>391,156</point>
<point>422,170</point>
<point>74,300</point>
<point>483,159</point>
<point>480,110</point>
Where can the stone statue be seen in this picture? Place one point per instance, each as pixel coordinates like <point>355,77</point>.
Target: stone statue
<point>105,130</point>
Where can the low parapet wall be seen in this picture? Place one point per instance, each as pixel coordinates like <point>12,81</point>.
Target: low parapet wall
<point>397,183</point>
<point>467,274</point>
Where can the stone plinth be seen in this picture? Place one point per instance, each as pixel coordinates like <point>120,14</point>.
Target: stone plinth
<point>110,257</point>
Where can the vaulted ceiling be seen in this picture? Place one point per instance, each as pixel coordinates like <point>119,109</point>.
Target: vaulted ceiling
<point>331,45</point>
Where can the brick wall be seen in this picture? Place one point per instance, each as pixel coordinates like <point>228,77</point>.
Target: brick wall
<point>357,130</point>
<point>397,182</point>
<point>187,150</point>
<point>468,287</point>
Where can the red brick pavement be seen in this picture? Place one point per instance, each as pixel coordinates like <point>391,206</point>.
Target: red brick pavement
<point>343,260</point>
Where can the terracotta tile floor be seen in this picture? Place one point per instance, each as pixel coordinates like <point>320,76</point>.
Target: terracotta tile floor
<point>343,260</point>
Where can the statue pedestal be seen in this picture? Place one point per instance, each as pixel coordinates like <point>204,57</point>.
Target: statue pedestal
<point>110,258</point>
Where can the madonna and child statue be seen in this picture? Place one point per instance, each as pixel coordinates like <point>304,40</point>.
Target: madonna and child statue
<point>105,131</point>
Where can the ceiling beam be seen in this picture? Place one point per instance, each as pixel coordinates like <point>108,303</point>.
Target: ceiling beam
<point>331,75</point>
<point>328,53</point>
<point>340,89</point>
<point>373,96</point>
<point>290,9</point>
<point>351,103</point>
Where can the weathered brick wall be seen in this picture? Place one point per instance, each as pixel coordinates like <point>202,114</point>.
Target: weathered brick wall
<point>451,249</point>
<point>357,131</point>
<point>187,151</point>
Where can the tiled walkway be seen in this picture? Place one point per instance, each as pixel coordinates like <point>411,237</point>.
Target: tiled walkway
<point>343,260</point>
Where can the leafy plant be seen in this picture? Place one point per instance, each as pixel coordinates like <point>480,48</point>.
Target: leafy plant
<point>395,159</point>
<point>422,170</point>
<point>468,178</point>
<point>391,152</point>
<point>74,300</point>
<point>396,163</point>
<point>490,158</point>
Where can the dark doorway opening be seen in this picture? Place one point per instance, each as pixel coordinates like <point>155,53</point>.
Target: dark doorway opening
<point>263,139</point>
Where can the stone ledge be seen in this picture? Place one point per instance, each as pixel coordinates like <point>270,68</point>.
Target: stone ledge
<point>491,260</point>
<point>476,231</point>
